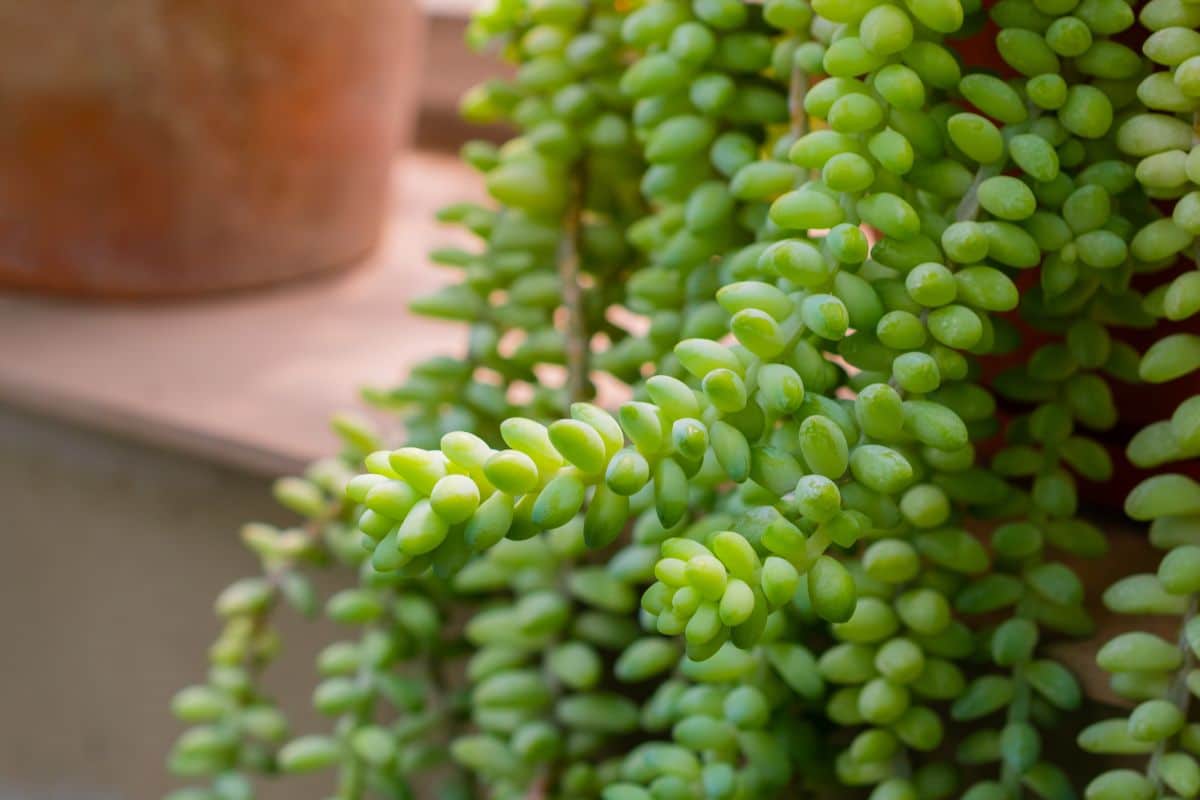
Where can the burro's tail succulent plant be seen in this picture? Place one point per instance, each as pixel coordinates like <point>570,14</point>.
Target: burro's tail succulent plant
<point>797,329</point>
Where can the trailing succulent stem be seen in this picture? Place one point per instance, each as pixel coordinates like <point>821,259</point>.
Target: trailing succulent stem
<point>868,301</point>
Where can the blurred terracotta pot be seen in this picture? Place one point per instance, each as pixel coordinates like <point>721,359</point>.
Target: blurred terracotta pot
<point>153,147</point>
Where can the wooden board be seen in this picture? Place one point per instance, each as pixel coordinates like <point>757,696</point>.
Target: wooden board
<point>249,379</point>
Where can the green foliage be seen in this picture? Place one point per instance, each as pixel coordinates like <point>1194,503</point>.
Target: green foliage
<point>793,234</point>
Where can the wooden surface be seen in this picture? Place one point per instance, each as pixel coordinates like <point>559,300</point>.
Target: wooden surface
<point>247,379</point>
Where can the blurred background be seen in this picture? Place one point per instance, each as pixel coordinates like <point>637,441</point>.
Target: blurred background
<point>212,214</point>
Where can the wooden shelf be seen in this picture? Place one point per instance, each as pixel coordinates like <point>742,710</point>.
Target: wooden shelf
<point>248,379</point>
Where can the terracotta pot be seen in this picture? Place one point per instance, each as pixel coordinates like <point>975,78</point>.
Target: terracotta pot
<point>152,147</point>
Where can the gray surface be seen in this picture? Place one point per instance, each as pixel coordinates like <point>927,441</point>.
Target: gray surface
<point>112,554</point>
<point>66,792</point>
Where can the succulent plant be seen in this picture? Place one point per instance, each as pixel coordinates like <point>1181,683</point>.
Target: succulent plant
<point>821,546</point>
